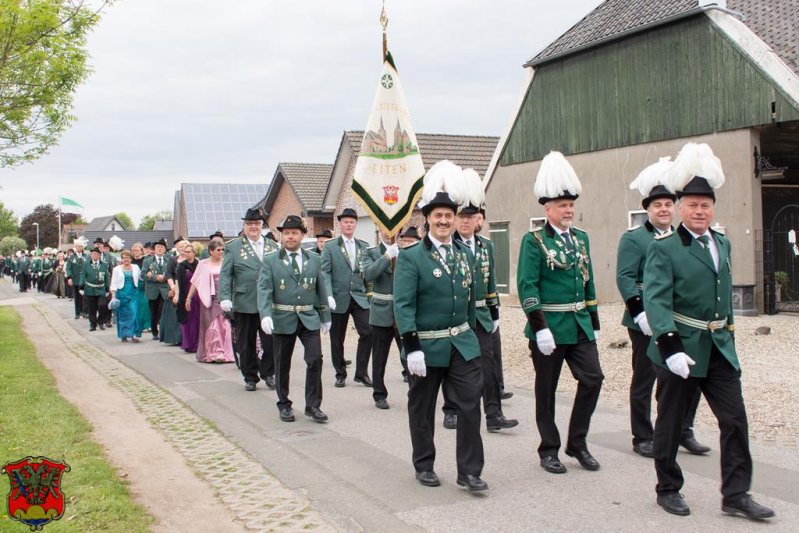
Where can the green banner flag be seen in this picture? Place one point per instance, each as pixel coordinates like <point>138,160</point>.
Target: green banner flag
<point>70,206</point>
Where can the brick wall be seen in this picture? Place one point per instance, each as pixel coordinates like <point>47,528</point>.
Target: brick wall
<point>285,204</point>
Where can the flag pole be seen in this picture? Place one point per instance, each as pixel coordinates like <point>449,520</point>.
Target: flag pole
<point>59,223</point>
<point>384,23</point>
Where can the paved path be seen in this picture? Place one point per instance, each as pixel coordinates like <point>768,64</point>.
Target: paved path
<point>354,473</point>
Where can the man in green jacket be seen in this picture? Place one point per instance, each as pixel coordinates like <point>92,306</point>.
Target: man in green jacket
<point>24,267</point>
<point>156,289</point>
<point>555,283</point>
<point>343,262</point>
<point>238,284</point>
<point>688,301</point>
<point>95,281</point>
<point>292,303</point>
<point>73,268</point>
<point>631,257</point>
<point>435,313</point>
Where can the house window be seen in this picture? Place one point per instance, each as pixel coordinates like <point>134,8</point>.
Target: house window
<point>113,227</point>
<point>537,222</point>
<point>636,217</point>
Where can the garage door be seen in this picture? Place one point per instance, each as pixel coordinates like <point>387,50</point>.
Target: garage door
<point>366,230</point>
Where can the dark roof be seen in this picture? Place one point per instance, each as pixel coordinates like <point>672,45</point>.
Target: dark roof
<point>163,225</point>
<point>774,21</point>
<point>218,206</point>
<point>99,223</point>
<point>309,182</point>
<point>130,237</point>
<point>468,151</point>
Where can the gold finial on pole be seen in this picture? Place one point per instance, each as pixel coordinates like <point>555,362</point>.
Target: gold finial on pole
<point>384,23</point>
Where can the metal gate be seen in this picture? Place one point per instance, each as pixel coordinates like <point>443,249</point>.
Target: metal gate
<point>781,261</point>
<point>501,240</point>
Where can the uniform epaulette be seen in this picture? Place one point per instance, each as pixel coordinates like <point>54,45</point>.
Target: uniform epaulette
<point>270,252</point>
<point>372,247</point>
<point>633,228</point>
<point>664,235</point>
<point>411,245</point>
<point>362,242</point>
<point>581,230</point>
<point>485,238</point>
<point>719,230</point>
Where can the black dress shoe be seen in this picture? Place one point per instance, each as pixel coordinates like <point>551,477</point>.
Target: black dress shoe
<point>381,403</point>
<point>405,378</point>
<point>505,395</point>
<point>286,414</point>
<point>645,448</point>
<point>496,424</point>
<point>450,421</point>
<point>77,317</point>
<point>102,327</point>
<point>316,414</point>
<point>249,386</point>
<point>747,507</point>
<point>473,483</point>
<point>155,336</point>
<point>340,382</point>
<point>270,382</point>
<point>365,381</point>
<point>674,503</point>
<point>694,447</point>
<point>585,459</point>
<point>124,339</point>
<point>428,478</point>
<point>347,362</point>
<point>552,464</point>
<point>93,328</point>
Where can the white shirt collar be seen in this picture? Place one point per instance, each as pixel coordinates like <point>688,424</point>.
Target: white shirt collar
<point>438,243</point>
<point>695,235</point>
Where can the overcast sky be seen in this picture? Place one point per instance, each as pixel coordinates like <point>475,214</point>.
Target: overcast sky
<point>189,91</point>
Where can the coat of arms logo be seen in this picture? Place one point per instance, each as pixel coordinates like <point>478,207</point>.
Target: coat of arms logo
<point>35,498</point>
<point>391,194</point>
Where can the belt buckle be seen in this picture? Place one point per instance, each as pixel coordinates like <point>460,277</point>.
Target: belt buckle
<point>573,307</point>
<point>715,325</point>
<point>454,331</point>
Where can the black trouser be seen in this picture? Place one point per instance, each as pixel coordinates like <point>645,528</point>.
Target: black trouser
<point>22,279</point>
<point>722,390</point>
<point>248,328</point>
<point>643,381</point>
<point>463,381</point>
<point>382,337</point>
<point>496,339</point>
<point>583,361</point>
<point>338,331</point>
<point>492,404</point>
<point>98,307</point>
<point>156,306</point>
<point>77,300</point>
<point>284,349</point>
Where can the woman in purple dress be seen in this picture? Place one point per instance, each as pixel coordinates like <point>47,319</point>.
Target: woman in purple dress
<point>188,316</point>
<point>215,341</point>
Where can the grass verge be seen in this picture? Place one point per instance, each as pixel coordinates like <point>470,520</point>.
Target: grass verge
<point>35,420</point>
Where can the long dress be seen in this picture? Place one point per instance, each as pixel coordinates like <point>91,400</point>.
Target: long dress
<point>58,281</point>
<point>215,343</point>
<point>168,326</point>
<point>127,313</point>
<point>189,320</point>
<point>144,306</point>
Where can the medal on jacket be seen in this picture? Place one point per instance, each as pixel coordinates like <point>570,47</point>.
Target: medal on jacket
<point>437,272</point>
<point>305,283</point>
<point>282,284</point>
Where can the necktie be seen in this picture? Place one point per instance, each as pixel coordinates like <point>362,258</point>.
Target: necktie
<point>567,238</point>
<point>705,240</point>
<point>295,265</point>
<point>469,244</point>
<point>450,257</point>
<point>351,253</point>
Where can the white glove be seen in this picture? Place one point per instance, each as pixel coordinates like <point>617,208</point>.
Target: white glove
<point>392,251</point>
<point>226,305</point>
<point>80,292</point>
<point>545,341</point>
<point>325,327</point>
<point>331,302</point>
<point>596,335</point>
<point>267,325</point>
<point>679,364</point>
<point>643,323</point>
<point>416,364</point>
<point>496,326</point>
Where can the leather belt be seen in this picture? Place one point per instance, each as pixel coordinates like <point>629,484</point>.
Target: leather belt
<point>96,286</point>
<point>444,333</point>
<point>292,308</point>
<point>711,325</point>
<point>564,308</point>
<point>384,297</point>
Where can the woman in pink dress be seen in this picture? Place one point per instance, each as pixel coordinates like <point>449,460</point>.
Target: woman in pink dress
<point>215,344</point>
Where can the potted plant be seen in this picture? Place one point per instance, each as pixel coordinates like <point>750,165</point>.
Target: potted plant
<point>780,281</point>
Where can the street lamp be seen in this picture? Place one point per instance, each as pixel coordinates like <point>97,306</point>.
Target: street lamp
<point>37,235</point>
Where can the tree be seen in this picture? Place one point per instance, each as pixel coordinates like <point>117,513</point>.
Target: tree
<point>47,217</point>
<point>9,245</point>
<point>8,222</point>
<point>148,222</point>
<point>43,59</point>
<point>125,220</point>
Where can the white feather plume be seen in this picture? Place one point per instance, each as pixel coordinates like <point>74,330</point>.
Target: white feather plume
<point>556,177</point>
<point>652,176</point>
<point>81,241</point>
<point>115,243</point>
<point>475,195</point>
<point>444,176</point>
<point>694,160</point>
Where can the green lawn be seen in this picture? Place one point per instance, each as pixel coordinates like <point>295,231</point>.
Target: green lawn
<point>35,420</point>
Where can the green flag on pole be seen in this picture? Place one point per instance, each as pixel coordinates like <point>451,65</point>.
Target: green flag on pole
<point>70,206</point>
<point>388,173</point>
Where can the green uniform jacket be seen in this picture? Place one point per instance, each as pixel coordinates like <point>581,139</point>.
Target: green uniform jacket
<point>548,273</point>
<point>153,288</point>
<point>95,281</point>
<point>485,282</point>
<point>24,265</point>
<point>36,266</point>
<point>427,297</point>
<point>47,266</point>
<point>277,285</point>
<point>238,278</point>
<point>680,278</point>
<point>73,266</point>
<point>379,275</point>
<point>630,261</point>
<point>341,281</point>
<point>111,259</point>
